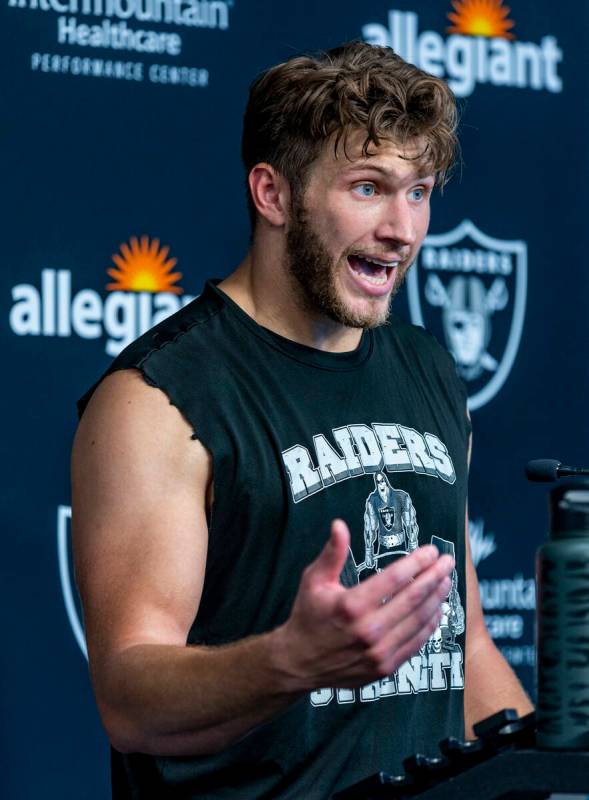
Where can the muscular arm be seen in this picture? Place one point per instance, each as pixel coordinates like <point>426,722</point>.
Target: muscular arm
<point>140,540</point>
<point>491,684</point>
<point>140,489</point>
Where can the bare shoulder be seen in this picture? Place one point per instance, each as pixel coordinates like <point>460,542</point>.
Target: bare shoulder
<point>131,425</point>
<point>139,489</point>
<point>125,410</point>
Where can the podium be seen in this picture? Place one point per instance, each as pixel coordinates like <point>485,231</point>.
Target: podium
<point>502,763</point>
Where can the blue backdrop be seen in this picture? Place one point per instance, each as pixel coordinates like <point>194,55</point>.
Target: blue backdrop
<point>120,130</point>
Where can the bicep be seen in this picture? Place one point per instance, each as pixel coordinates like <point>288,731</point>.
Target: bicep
<point>139,518</point>
<point>475,623</point>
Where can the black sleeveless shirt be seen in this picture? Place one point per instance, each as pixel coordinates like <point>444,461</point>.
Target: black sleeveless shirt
<point>378,437</point>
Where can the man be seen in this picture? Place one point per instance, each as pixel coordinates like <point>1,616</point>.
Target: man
<point>227,445</point>
<point>390,526</point>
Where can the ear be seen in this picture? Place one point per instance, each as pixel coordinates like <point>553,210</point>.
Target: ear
<point>270,193</point>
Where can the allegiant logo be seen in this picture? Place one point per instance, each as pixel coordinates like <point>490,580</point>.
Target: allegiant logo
<point>143,292</point>
<point>480,49</point>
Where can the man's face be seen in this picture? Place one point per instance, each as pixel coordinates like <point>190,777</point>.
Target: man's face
<point>355,232</point>
<point>382,487</point>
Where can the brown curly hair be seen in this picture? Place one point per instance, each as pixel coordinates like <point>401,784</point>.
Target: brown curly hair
<point>296,106</point>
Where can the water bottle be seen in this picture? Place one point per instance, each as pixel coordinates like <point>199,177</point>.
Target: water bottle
<point>562,580</point>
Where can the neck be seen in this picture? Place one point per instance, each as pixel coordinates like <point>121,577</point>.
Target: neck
<point>262,287</point>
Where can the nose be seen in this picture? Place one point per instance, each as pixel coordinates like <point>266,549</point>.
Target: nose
<point>397,224</point>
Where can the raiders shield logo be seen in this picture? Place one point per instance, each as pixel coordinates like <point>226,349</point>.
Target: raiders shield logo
<point>387,517</point>
<point>469,290</point>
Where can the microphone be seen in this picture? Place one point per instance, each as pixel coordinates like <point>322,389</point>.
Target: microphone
<point>549,469</point>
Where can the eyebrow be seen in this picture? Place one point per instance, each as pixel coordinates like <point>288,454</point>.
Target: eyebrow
<point>366,166</point>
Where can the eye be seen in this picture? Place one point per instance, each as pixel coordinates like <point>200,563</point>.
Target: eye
<point>365,189</point>
<point>418,193</point>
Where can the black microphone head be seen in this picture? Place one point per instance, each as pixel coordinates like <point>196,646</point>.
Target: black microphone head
<point>542,469</point>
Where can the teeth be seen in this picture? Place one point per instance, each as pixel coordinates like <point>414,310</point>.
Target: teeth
<point>380,263</point>
<point>375,279</point>
<point>375,270</point>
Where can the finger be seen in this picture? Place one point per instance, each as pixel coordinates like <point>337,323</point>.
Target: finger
<point>425,584</point>
<point>434,587</point>
<point>402,653</point>
<point>330,561</point>
<point>396,575</point>
<point>388,654</point>
<point>413,617</point>
<point>401,618</point>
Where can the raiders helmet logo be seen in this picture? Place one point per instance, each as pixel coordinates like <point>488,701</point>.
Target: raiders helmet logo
<point>469,290</point>
<point>387,517</point>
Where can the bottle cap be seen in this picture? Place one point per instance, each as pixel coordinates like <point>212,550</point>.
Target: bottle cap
<point>569,507</point>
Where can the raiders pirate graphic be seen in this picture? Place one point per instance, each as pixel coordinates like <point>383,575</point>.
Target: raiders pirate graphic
<point>390,524</point>
<point>467,310</point>
<point>390,532</point>
<point>385,529</point>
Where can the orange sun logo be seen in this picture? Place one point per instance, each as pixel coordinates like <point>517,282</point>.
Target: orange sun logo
<point>144,267</point>
<point>481,18</point>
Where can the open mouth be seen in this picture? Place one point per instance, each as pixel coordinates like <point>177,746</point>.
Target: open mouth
<point>372,271</point>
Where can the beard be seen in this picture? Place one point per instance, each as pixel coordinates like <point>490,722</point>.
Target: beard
<point>312,269</point>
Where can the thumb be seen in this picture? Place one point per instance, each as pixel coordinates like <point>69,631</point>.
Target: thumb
<point>330,561</point>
